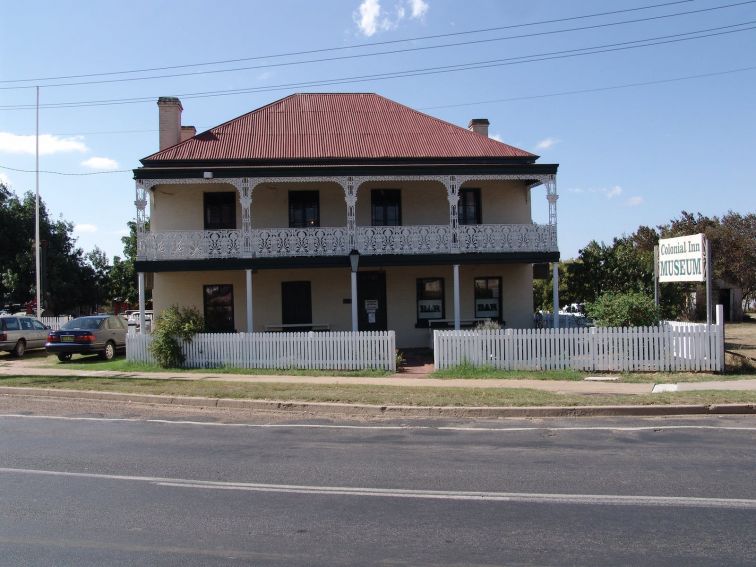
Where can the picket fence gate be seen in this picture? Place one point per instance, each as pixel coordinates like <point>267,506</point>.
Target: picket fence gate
<point>305,350</point>
<point>667,348</point>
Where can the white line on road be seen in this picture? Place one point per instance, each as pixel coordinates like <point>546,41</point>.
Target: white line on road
<point>520,497</point>
<point>384,427</point>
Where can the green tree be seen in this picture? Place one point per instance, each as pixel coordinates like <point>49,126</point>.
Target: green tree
<point>629,309</point>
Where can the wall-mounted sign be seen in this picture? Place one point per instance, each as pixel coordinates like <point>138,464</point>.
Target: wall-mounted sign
<point>371,305</point>
<point>430,309</point>
<point>682,259</point>
<point>487,308</point>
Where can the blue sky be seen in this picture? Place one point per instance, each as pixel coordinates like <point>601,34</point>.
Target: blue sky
<point>628,156</point>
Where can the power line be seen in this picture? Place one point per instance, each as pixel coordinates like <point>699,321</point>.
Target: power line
<point>353,46</point>
<point>491,101</point>
<point>379,53</point>
<point>532,58</point>
<point>65,173</point>
<point>595,89</point>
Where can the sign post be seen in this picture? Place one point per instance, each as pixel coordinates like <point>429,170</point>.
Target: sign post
<point>684,259</point>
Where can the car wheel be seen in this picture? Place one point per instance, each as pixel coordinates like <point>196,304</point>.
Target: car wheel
<point>20,348</point>
<point>109,352</point>
<point>64,356</point>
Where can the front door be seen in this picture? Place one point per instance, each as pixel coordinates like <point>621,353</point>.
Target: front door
<point>371,301</point>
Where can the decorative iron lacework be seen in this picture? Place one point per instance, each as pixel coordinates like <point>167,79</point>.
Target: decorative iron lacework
<point>506,238</point>
<point>192,244</point>
<point>421,239</point>
<point>283,242</point>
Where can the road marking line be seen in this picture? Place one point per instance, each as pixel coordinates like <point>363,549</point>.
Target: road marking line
<point>383,427</point>
<point>526,497</point>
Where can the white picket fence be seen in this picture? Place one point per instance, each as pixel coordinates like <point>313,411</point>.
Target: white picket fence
<point>310,350</point>
<point>55,323</point>
<point>672,348</point>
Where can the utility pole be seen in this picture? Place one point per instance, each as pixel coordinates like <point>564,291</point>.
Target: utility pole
<point>36,223</point>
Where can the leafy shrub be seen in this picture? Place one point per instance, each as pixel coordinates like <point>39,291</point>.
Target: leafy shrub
<point>631,309</point>
<point>487,325</point>
<point>174,326</point>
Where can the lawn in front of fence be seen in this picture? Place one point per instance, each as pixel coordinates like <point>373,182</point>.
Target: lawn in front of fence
<point>369,394</point>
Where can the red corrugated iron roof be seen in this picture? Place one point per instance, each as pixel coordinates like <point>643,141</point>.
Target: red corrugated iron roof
<point>332,126</point>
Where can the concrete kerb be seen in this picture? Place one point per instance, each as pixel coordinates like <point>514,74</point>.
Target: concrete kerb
<point>394,411</point>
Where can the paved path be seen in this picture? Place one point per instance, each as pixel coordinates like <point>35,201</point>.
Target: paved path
<point>557,386</point>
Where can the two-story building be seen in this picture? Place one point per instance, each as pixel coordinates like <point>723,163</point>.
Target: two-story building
<point>342,211</point>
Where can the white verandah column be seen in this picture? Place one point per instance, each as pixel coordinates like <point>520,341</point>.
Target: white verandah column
<point>140,277</point>
<point>555,284</point>
<point>250,320</point>
<point>457,317</point>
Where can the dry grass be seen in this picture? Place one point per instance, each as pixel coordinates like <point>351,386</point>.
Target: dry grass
<point>374,395</point>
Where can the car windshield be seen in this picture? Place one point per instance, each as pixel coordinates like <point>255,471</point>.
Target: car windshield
<point>85,323</point>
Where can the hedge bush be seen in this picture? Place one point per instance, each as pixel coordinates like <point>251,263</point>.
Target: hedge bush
<point>632,309</point>
<point>174,326</point>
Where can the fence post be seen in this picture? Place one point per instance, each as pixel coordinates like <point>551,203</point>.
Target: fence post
<point>720,338</point>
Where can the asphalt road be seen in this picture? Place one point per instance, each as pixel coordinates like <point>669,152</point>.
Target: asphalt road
<point>82,484</point>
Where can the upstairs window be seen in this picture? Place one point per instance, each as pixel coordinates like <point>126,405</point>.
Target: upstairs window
<point>386,207</point>
<point>304,209</point>
<point>468,209</point>
<point>220,211</point>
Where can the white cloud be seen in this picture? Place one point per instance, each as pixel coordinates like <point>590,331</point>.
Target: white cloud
<point>371,18</point>
<point>608,192</point>
<point>48,144</point>
<point>264,76</point>
<point>85,228</point>
<point>100,163</point>
<point>634,201</point>
<point>367,17</point>
<point>615,191</point>
<point>5,180</point>
<point>496,137</point>
<point>419,8</point>
<point>546,143</point>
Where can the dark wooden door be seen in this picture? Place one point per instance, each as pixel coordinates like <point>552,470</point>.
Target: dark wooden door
<point>371,301</point>
<point>296,303</point>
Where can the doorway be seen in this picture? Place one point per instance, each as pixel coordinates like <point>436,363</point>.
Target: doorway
<point>371,301</point>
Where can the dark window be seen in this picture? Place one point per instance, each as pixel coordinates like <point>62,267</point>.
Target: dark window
<point>430,300</point>
<point>304,209</point>
<point>488,298</point>
<point>38,326</point>
<point>468,210</point>
<point>26,324</point>
<point>220,211</point>
<point>219,308</point>
<point>296,303</point>
<point>386,207</point>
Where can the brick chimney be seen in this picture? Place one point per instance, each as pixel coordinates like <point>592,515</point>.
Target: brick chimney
<point>479,126</point>
<point>188,132</point>
<point>169,109</point>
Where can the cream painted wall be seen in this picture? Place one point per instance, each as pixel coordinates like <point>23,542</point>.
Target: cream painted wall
<point>180,207</point>
<point>270,204</point>
<point>330,286</point>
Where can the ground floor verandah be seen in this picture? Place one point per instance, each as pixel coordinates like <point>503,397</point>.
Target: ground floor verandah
<point>407,299</point>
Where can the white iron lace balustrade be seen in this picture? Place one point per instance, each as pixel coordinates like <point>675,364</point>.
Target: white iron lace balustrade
<point>419,239</point>
<point>193,244</point>
<point>506,238</point>
<point>283,242</point>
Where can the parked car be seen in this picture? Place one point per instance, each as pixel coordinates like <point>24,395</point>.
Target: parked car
<point>134,319</point>
<point>101,334</point>
<point>21,333</point>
